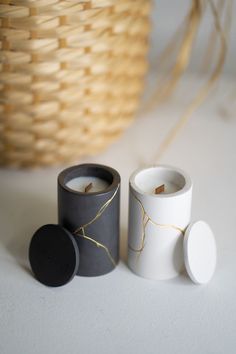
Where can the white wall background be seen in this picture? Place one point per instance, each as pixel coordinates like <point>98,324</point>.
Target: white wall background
<point>168,14</point>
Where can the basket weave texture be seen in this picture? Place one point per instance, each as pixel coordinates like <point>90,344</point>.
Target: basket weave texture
<point>71,76</point>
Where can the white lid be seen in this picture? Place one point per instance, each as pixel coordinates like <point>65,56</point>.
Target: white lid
<point>199,252</point>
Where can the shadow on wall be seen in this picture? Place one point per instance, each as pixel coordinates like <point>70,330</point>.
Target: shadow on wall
<point>22,213</point>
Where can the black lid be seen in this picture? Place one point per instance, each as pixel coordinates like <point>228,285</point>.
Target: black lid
<point>53,255</point>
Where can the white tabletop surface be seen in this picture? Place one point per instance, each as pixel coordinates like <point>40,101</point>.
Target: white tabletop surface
<point>120,312</point>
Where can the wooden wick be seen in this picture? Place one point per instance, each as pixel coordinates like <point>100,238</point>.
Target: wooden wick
<point>160,189</point>
<point>88,187</point>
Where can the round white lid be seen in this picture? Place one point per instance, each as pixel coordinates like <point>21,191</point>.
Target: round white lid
<point>200,252</point>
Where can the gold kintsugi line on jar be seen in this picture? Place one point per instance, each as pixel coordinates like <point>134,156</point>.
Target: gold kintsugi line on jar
<point>99,213</point>
<point>145,223</point>
<point>98,244</point>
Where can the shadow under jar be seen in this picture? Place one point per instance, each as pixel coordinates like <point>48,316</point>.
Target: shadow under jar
<point>89,207</point>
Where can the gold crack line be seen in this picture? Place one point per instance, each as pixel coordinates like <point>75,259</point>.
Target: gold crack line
<point>143,238</point>
<point>152,222</point>
<point>167,226</point>
<point>98,244</point>
<point>99,213</point>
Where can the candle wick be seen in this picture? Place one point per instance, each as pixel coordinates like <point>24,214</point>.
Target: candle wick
<point>88,187</point>
<point>160,189</point>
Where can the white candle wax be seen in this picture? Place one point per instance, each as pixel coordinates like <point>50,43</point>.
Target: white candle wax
<point>80,183</point>
<point>149,180</point>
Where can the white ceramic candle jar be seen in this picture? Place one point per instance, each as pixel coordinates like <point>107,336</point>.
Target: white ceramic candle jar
<point>157,221</point>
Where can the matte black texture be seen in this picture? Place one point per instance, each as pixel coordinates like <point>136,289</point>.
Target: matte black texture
<point>53,255</point>
<point>99,241</point>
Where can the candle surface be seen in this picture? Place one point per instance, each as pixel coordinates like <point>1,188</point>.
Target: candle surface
<point>80,183</point>
<point>168,187</point>
<point>148,180</point>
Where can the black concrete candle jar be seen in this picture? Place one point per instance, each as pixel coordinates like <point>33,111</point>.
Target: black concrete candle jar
<point>91,214</point>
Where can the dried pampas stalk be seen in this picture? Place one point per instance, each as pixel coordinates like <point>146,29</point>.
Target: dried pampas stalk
<point>222,19</point>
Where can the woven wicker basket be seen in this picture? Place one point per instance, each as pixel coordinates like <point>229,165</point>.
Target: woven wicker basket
<point>71,76</point>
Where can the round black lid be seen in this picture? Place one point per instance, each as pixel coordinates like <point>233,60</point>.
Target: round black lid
<point>53,255</point>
